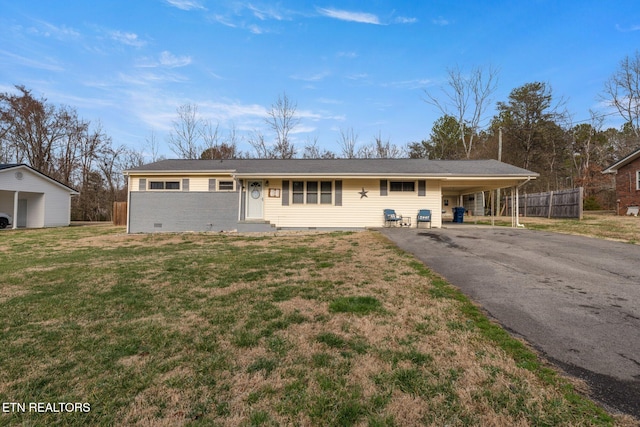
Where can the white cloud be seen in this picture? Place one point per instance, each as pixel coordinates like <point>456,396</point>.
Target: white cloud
<point>440,21</point>
<point>42,63</point>
<point>186,4</point>
<point>255,29</point>
<point>409,84</point>
<point>627,29</point>
<point>349,55</point>
<point>264,14</point>
<point>405,20</point>
<point>313,77</point>
<point>130,39</point>
<point>167,59</point>
<point>345,15</point>
<point>224,21</point>
<point>360,76</point>
<point>330,101</point>
<point>47,29</point>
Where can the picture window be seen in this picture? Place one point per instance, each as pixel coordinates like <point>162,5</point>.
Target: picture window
<point>312,192</point>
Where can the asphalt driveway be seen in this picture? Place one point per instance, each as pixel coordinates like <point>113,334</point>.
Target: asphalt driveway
<point>575,299</point>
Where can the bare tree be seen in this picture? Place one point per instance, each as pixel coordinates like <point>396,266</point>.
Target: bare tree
<point>184,139</point>
<point>211,137</point>
<point>151,144</point>
<point>466,99</point>
<point>313,151</point>
<point>622,91</point>
<point>385,149</point>
<point>282,119</point>
<point>33,129</point>
<point>348,142</point>
<point>260,147</point>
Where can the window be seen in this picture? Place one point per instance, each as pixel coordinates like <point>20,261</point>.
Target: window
<point>312,193</point>
<point>225,186</point>
<point>637,180</point>
<point>325,192</point>
<point>298,192</point>
<point>405,186</point>
<point>164,185</point>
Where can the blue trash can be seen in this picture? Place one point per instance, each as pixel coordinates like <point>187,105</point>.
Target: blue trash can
<point>458,214</point>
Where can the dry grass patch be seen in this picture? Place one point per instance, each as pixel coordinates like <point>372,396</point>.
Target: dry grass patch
<point>292,329</point>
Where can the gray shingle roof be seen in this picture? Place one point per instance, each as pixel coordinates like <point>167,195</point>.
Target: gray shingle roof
<point>8,165</point>
<point>339,167</point>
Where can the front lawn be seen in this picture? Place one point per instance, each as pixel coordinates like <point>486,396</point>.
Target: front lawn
<point>288,329</point>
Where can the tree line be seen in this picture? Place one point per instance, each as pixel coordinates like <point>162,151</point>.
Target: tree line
<point>531,129</point>
<point>57,142</point>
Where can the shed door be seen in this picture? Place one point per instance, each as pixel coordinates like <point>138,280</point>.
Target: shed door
<point>255,198</point>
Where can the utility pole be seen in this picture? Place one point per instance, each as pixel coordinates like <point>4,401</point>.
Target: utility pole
<point>499,159</point>
<point>500,144</point>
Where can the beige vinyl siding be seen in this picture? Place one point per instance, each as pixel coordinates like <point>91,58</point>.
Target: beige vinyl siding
<point>196,182</point>
<point>356,211</point>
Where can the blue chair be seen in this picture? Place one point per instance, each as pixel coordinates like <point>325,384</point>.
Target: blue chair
<point>390,217</point>
<point>424,215</point>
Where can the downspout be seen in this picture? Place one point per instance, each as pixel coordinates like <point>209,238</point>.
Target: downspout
<point>518,202</point>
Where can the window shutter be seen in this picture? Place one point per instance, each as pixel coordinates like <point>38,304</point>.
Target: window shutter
<point>185,184</point>
<point>212,184</point>
<point>285,193</point>
<point>383,187</point>
<point>338,198</point>
<point>142,184</point>
<point>422,188</point>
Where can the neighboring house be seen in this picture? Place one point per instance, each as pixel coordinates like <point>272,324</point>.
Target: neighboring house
<point>32,198</point>
<point>627,177</point>
<point>261,194</point>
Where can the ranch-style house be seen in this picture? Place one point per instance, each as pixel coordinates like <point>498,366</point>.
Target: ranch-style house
<point>268,194</point>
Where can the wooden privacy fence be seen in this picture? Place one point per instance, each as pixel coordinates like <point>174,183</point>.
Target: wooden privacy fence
<point>119,213</point>
<point>552,204</point>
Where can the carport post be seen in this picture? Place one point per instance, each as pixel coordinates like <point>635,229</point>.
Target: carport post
<point>517,206</point>
<point>513,208</point>
<point>493,205</point>
<point>15,210</point>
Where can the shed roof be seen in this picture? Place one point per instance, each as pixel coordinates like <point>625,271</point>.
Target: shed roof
<point>340,167</point>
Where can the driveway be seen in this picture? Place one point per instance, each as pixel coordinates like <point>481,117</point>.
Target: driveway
<point>575,299</point>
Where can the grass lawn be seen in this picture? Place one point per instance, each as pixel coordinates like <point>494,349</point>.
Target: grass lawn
<point>231,330</point>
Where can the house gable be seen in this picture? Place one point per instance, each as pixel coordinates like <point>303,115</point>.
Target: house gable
<point>627,181</point>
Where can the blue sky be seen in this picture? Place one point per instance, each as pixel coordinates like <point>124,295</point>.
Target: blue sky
<point>348,65</point>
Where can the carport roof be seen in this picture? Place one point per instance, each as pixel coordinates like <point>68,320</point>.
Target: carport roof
<point>340,167</point>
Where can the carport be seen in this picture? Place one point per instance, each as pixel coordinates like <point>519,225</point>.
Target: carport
<point>26,208</point>
<point>455,190</point>
<point>32,198</point>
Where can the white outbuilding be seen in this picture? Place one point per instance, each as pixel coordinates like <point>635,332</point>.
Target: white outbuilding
<point>33,199</point>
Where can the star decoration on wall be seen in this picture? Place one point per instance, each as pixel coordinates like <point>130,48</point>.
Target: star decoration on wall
<point>363,193</point>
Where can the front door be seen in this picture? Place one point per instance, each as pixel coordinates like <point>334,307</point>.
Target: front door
<point>254,199</point>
